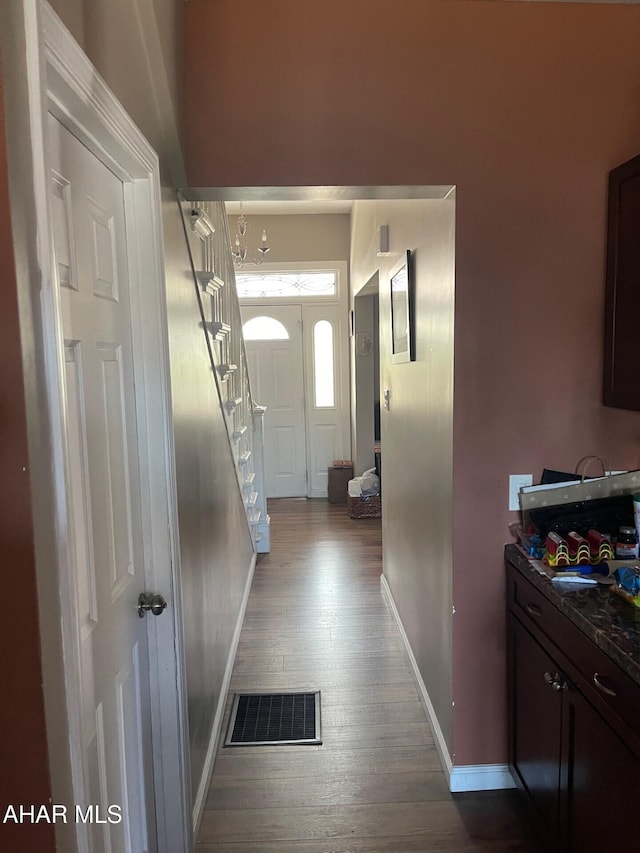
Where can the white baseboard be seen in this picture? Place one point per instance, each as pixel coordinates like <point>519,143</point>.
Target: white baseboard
<point>478,777</point>
<point>216,729</point>
<point>438,736</point>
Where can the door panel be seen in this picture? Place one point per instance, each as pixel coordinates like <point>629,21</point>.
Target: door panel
<point>325,445</point>
<point>277,382</point>
<point>327,426</point>
<point>107,570</point>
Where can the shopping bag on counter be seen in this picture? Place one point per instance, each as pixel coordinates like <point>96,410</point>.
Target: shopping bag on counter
<point>556,494</point>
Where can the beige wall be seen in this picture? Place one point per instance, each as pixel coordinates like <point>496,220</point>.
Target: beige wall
<point>364,378</point>
<point>417,431</point>
<point>215,546</point>
<point>316,237</point>
<point>525,107</point>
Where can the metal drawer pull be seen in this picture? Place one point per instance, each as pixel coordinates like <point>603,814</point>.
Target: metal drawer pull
<point>534,610</point>
<point>600,685</point>
<point>555,681</point>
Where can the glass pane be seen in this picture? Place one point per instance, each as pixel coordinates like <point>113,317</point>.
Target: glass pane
<point>323,364</point>
<point>297,284</point>
<point>264,329</point>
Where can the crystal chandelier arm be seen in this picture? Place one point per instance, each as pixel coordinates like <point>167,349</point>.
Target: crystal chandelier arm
<point>241,255</point>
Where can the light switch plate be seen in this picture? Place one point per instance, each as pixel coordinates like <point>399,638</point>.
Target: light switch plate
<point>516,482</point>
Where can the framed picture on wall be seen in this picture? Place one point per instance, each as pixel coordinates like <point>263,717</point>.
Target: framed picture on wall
<point>402,287</point>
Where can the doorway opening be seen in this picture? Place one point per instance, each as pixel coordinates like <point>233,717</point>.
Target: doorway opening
<point>295,331</point>
<point>367,439</point>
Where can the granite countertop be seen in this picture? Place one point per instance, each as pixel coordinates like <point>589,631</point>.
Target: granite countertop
<point>612,623</point>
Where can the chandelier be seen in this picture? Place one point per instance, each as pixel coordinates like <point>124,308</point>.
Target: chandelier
<point>242,256</point>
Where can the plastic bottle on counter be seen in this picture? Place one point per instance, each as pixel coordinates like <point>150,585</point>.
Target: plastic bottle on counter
<point>627,544</point>
<point>636,514</point>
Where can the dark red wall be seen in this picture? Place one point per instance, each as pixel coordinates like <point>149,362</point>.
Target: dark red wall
<point>24,771</point>
<point>525,107</point>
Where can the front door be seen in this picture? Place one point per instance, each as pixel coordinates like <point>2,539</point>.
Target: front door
<point>103,495</point>
<point>273,340</point>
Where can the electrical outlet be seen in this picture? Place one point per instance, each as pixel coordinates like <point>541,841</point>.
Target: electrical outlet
<point>516,482</point>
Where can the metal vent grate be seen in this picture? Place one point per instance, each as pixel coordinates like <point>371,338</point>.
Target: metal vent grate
<point>265,719</point>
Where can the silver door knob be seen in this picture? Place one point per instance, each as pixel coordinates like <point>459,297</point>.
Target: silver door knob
<point>147,601</point>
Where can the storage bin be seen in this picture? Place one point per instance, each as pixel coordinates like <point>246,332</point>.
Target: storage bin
<point>365,506</point>
<point>338,483</point>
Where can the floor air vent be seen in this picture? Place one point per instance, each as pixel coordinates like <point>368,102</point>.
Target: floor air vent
<point>267,719</point>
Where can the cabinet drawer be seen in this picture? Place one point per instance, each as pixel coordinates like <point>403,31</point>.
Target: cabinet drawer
<point>602,682</point>
<point>531,606</point>
<point>597,677</point>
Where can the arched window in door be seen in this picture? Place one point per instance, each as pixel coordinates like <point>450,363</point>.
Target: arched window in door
<point>323,370</point>
<point>264,329</point>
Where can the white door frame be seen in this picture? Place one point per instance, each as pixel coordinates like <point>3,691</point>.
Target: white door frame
<point>45,71</point>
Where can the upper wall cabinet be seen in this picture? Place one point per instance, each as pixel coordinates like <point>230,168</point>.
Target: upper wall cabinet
<point>622,306</point>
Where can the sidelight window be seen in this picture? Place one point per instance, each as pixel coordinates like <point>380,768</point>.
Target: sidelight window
<point>324,379</point>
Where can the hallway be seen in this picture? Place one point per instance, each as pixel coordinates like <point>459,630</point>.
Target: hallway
<point>316,619</point>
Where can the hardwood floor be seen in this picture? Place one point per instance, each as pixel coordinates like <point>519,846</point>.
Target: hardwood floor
<point>316,620</point>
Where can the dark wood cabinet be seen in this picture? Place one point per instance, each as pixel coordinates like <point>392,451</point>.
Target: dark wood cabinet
<point>537,723</point>
<point>622,303</point>
<point>573,746</point>
<point>599,782</point>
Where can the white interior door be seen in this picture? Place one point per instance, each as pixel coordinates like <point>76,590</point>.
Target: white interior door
<point>103,493</point>
<point>276,372</point>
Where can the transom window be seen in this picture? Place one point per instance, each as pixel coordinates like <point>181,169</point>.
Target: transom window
<point>264,329</point>
<point>275,284</point>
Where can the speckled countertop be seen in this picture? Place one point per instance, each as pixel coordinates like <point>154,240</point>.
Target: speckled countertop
<point>612,623</point>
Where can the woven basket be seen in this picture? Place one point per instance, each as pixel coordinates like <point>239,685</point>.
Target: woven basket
<point>367,506</point>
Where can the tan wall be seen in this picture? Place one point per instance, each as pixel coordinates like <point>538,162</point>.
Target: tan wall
<point>22,721</point>
<point>417,431</point>
<point>318,237</point>
<point>363,377</point>
<point>525,107</point>
<point>215,546</point>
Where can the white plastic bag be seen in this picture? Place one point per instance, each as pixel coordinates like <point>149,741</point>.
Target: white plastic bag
<point>370,482</point>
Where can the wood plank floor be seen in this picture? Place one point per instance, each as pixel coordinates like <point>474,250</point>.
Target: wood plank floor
<point>316,620</point>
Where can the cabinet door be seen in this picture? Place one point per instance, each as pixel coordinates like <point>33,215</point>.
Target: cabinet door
<point>600,774</point>
<point>536,724</point>
<point>622,300</point>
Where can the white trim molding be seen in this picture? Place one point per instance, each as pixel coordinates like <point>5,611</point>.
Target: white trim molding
<point>477,777</point>
<point>480,777</point>
<point>216,729</point>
